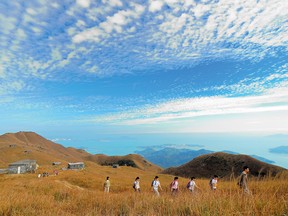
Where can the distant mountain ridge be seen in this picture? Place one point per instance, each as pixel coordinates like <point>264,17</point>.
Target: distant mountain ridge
<point>223,165</point>
<point>171,157</point>
<point>30,145</point>
<point>279,150</point>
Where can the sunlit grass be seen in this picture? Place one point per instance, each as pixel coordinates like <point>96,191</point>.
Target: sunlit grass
<point>81,193</point>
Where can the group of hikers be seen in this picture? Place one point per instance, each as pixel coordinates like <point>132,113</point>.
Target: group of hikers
<point>191,185</point>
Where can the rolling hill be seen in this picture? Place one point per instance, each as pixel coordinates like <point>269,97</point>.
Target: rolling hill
<point>168,157</point>
<point>171,156</point>
<point>30,145</point>
<point>223,165</point>
<point>133,160</point>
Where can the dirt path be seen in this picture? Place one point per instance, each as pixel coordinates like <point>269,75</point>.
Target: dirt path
<point>68,185</point>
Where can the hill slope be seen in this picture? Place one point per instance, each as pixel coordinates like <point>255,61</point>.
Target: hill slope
<point>23,145</point>
<point>30,145</point>
<point>223,165</point>
<point>133,160</point>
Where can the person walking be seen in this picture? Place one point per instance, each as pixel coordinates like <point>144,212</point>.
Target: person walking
<point>155,185</point>
<point>107,185</point>
<point>192,185</point>
<point>243,180</point>
<point>174,186</point>
<point>136,185</point>
<point>213,183</point>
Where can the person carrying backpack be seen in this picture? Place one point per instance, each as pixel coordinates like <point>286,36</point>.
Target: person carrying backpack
<point>136,184</point>
<point>191,185</point>
<point>155,185</point>
<point>174,186</point>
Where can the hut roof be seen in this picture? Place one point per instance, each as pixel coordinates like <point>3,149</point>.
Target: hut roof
<point>77,163</point>
<point>21,162</point>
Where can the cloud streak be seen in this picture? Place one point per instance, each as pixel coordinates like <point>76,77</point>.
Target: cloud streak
<point>274,100</point>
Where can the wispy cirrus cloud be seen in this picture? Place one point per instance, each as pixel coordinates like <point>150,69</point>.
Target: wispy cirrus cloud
<point>272,101</point>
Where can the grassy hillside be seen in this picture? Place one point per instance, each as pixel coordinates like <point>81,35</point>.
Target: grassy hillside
<point>81,193</point>
<point>132,160</point>
<point>223,165</point>
<point>29,145</point>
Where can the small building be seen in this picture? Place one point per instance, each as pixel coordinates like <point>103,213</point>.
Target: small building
<point>78,165</point>
<point>3,171</point>
<point>12,145</point>
<point>56,163</point>
<point>22,166</point>
<point>115,165</point>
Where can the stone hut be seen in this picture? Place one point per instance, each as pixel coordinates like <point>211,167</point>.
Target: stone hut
<point>22,166</point>
<point>78,165</point>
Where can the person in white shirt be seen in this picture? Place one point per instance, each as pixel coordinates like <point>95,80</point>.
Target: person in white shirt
<point>136,184</point>
<point>107,185</point>
<point>155,185</point>
<point>213,182</point>
<point>192,185</point>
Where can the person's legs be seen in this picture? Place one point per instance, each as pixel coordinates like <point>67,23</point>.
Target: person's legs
<point>156,192</point>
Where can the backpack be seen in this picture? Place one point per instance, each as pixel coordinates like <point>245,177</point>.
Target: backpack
<point>172,184</point>
<point>134,185</point>
<point>188,185</point>
<point>152,183</point>
<point>210,183</point>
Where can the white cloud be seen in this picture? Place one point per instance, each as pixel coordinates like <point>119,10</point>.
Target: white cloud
<point>56,55</point>
<point>116,23</point>
<point>83,3</point>
<point>21,35</point>
<point>60,139</point>
<point>71,31</point>
<point>94,69</point>
<point>11,86</point>
<point>203,106</point>
<point>36,30</point>
<point>118,18</point>
<point>80,23</point>
<point>7,24</point>
<point>31,11</point>
<point>2,73</point>
<point>155,6</point>
<point>115,3</point>
<point>55,5</point>
<point>93,34</point>
<point>174,24</point>
<point>218,23</point>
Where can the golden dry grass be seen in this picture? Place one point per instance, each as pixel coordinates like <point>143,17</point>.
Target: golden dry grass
<point>81,193</point>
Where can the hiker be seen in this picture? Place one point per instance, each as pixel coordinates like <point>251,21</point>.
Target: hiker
<point>213,183</point>
<point>136,185</point>
<point>155,185</point>
<point>174,186</point>
<point>107,185</point>
<point>191,185</point>
<point>243,180</point>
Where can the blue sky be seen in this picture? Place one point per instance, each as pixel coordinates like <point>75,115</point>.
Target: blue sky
<point>109,67</point>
